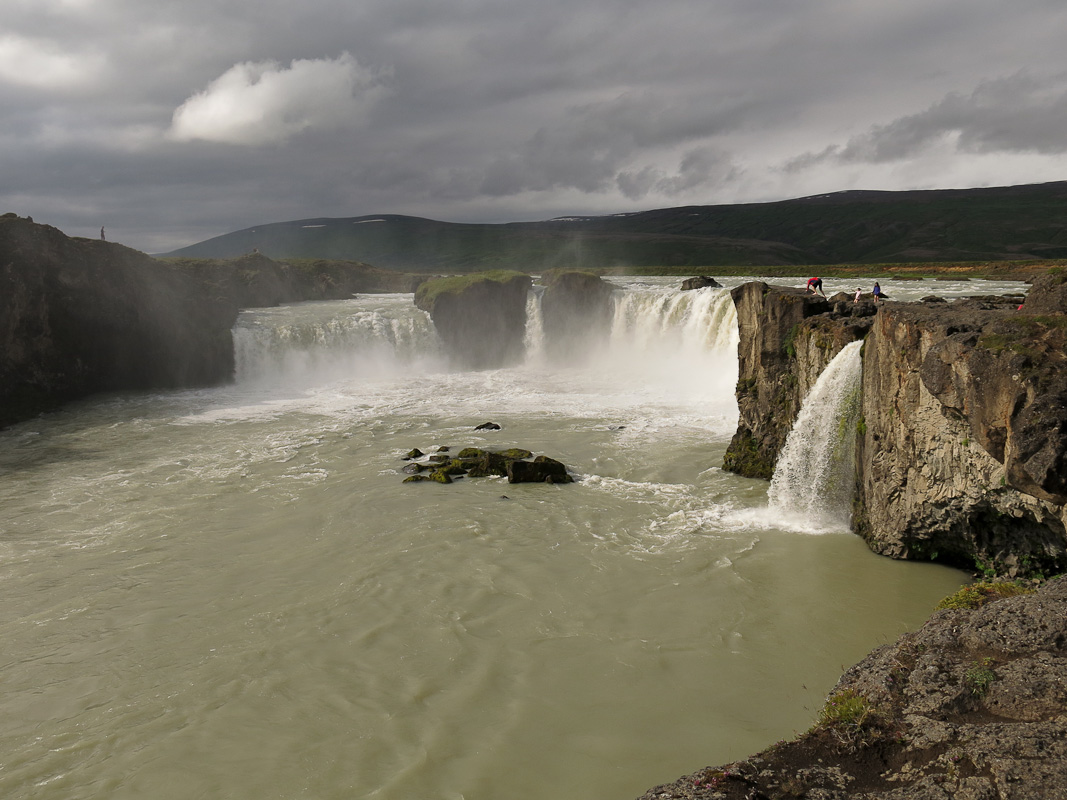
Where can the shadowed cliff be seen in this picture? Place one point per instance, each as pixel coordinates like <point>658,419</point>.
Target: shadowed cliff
<point>82,316</point>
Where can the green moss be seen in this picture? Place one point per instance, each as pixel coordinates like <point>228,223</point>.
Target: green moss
<point>980,677</point>
<point>846,709</point>
<point>513,453</point>
<point>787,345</point>
<point>978,594</point>
<point>429,291</point>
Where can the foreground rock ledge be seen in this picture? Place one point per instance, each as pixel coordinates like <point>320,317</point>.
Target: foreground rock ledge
<point>972,706</point>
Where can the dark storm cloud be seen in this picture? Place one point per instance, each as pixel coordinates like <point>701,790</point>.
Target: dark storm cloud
<point>1018,114</point>
<point>174,121</point>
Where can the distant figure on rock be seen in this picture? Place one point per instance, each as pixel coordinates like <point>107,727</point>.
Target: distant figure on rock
<point>859,294</point>
<point>815,286</point>
<point>102,237</point>
<point>877,292</point>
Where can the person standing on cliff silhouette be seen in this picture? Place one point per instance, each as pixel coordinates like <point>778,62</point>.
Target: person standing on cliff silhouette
<point>102,237</point>
<point>815,286</point>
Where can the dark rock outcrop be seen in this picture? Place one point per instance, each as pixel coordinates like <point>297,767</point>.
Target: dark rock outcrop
<point>515,464</point>
<point>576,311</point>
<point>481,318</point>
<point>973,705</point>
<point>700,282</point>
<point>79,316</point>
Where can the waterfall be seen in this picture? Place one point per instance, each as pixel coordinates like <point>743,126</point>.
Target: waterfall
<point>310,342</point>
<point>677,346</point>
<point>813,480</point>
<point>534,338</point>
<point>693,322</point>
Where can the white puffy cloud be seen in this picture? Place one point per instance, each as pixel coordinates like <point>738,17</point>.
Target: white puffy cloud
<point>255,103</point>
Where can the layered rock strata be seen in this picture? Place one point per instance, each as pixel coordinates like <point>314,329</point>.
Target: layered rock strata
<point>961,454</point>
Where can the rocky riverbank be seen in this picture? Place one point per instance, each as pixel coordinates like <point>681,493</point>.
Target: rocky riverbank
<point>973,705</point>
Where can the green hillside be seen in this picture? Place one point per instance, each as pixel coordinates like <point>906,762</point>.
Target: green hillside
<point>997,224</point>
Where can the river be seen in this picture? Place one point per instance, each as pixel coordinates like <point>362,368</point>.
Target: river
<point>230,593</point>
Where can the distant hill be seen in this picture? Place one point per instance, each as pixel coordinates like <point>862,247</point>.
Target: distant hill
<point>996,224</point>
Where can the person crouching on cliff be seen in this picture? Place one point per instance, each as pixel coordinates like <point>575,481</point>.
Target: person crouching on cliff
<point>815,286</point>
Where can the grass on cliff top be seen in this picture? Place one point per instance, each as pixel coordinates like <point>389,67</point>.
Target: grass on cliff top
<point>918,270</point>
<point>978,594</point>
<point>430,290</point>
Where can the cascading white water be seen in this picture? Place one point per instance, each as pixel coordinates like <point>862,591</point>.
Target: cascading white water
<point>534,338</point>
<point>692,322</point>
<point>812,483</point>
<point>363,337</point>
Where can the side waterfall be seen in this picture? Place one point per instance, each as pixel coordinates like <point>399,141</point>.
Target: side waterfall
<point>813,480</point>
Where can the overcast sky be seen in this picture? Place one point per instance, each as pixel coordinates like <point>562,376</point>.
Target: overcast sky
<point>172,121</point>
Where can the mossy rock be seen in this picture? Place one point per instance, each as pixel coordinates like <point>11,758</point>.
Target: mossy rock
<point>514,453</point>
<point>429,292</point>
<point>440,476</point>
<point>471,452</point>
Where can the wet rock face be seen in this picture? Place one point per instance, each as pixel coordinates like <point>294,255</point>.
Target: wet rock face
<point>576,311</point>
<point>480,318</point>
<point>700,282</point>
<point>972,705</point>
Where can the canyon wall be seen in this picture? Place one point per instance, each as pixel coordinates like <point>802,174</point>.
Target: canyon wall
<point>85,316</point>
<point>961,446</point>
<point>81,316</point>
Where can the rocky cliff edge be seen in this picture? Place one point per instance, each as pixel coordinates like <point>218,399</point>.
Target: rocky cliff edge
<point>973,706</point>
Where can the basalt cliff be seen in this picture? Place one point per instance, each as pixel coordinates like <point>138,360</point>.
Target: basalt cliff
<point>962,444</point>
